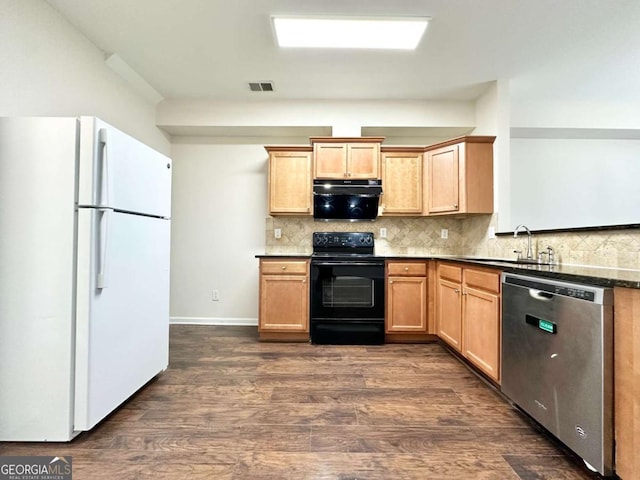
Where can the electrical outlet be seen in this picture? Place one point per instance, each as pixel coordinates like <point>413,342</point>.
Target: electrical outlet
<point>277,233</point>
<point>492,232</point>
<point>444,233</point>
<point>215,296</point>
<point>383,233</point>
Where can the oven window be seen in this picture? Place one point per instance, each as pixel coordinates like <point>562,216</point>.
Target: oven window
<point>347,291</point>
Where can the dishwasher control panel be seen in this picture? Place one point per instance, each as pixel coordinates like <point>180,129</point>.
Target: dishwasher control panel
<point>575,293</point>
<point>581,292</point>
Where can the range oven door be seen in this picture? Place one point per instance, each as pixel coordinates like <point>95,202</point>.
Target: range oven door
<point>347,301</point>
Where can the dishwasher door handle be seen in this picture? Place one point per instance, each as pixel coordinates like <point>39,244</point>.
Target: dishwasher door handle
<point>540,295</point>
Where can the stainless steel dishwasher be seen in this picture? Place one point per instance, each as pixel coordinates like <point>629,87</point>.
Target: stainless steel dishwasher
<point>557,361</point>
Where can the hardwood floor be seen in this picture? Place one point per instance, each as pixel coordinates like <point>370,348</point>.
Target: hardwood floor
<point>230,407</point>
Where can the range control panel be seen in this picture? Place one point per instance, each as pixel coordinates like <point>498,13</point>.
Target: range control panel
<point>342,239</point>
<point>361,242</point>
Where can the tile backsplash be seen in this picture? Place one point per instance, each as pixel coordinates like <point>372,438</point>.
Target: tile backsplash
<point>466,236</point>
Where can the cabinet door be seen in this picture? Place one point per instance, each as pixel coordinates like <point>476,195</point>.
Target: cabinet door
<point>402,183</point>
<point>284,304</point>
<point>363,160</point>
<point>290,183</point>
<point>449,313</point>
<point>407,304</point>
<point>444,179</point>
<point>330,160</point>
<point>481,326</point>
<point>627,381</point>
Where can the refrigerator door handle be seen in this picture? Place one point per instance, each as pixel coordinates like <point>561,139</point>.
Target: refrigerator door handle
<point>104,173</point>
<point>103,235</point>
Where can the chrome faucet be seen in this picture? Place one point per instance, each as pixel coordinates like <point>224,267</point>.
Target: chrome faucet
<point>529,249</point>
<point>550,257</point>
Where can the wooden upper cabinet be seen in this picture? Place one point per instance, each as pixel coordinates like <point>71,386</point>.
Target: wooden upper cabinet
<point>290,180</point>
<point>460,176</point>
<point>402,181</point>
<point>363,160</point>
<point>330,160</point>
<point>449,178</point>
<point>346,158</point>
<point>444,175</point>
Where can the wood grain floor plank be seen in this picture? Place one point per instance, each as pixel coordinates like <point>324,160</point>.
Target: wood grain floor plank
<point>232,408</point>
<point>356,466</point>
<point>359,396</point>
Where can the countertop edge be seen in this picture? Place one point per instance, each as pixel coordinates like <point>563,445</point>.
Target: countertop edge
<point>601,276</point>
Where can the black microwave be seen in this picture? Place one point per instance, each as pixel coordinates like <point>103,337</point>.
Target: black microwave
<point>351,200</point>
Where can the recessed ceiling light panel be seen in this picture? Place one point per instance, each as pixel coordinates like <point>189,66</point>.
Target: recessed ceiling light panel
<point>350,32</point>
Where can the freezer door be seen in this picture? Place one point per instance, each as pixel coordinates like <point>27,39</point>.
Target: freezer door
<point>117,171</point>
<point>122,325</point>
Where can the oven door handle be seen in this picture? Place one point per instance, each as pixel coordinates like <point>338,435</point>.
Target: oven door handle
<point>347,263</point>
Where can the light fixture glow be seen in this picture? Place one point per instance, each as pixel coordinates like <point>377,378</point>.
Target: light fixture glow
<point>374,33</point>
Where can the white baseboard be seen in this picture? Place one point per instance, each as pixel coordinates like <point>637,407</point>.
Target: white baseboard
<point>236,322</point>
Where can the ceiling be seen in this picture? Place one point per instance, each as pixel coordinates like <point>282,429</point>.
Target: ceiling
<point>212,49</point>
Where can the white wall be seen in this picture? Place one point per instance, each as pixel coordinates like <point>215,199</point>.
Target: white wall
<point>218,226</point>
<point>569,120</point>
<point>47,68</point>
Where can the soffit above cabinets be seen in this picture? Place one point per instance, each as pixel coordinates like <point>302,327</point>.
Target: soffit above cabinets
<point>392,135</point>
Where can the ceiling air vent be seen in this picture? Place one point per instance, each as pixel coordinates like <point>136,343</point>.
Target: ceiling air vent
<point>261,86</point>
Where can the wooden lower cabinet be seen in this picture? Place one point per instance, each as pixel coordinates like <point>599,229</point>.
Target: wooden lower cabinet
<point>284,299</point>
<point>449,305</point>
<point>626,345</point>
<point>469,315</point>
<point>408,300</point>
<point>481,330</point>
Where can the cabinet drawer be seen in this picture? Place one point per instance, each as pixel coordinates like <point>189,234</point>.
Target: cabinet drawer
<point>416,269</point>
<point>450,272</point>
<point>484,279</point>
<point>284,267</point>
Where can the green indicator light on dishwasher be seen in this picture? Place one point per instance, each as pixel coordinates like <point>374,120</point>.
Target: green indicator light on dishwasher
<point>547,326</point>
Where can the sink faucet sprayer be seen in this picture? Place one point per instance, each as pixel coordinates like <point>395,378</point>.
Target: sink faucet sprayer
<point>529,249</point>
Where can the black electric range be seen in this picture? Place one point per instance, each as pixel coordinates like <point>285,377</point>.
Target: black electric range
<point>347,289</point>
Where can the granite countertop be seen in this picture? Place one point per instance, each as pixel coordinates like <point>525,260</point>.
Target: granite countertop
<point>602,276</point>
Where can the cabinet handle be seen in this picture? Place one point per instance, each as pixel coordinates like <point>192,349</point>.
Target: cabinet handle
<point>455,205</point>
<point>406,269</point>
<point>390,281</point>
<point>284,267</point>
<point>457,291</point>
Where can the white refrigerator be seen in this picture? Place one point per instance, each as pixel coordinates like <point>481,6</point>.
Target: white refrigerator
<point>84,273</point>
